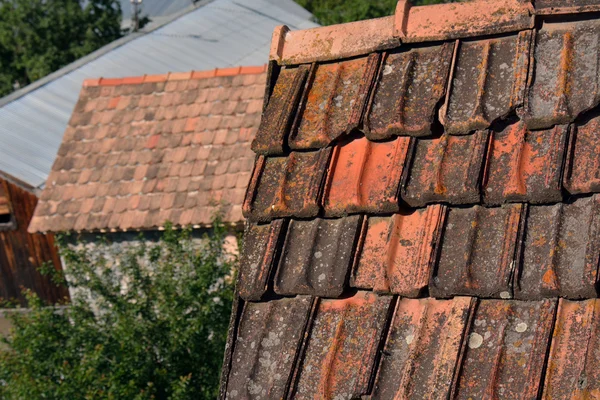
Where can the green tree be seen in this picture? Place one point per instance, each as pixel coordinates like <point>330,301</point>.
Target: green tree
<point>38,37</point>
<point>155,327</point>
<point>329,12</point>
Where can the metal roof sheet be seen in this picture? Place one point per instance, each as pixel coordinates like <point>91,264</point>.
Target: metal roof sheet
<point>219,34</point>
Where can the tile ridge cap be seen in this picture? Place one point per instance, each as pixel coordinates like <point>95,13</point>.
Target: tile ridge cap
<point>176,76</point>
<point>409,24</point>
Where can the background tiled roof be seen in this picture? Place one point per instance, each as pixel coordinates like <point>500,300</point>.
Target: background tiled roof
<point>143,150</point>
<point>427,187</point>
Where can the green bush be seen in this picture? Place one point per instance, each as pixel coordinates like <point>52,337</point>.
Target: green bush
<point>153,327</point>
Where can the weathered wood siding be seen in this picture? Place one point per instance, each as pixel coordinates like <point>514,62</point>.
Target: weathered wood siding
<point>21,253</point>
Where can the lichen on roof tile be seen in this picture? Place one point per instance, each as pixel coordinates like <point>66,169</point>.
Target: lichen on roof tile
<point>446,169</point>
<point>505,350</point>
<point>561,250</point>
<point>317,256</point>
<point>524,165</point>
<point>566,73</point>
<point>399,251</point>
<point>342,347</point>
<point>478,250</point>
<point>582,174</point>
<point>423,348</point>
<point>410,84</point>
<point>334,102</point>
<point>488,82</point>
<point>266,347</point>
<point>286,186</point>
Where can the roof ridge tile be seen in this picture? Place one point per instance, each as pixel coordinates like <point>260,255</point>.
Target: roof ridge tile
<point>176,76</point>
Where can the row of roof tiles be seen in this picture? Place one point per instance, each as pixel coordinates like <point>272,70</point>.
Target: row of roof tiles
<point>176,76</point>
<point>389,348</point>
<point>550,75</point>
<point>510,165</point>
<point>517,250</point>
<point>136,155</point>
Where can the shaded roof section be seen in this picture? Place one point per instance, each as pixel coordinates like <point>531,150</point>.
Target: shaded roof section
<point>213,34</point>
<point>141,151</point>
<point>451,243</point>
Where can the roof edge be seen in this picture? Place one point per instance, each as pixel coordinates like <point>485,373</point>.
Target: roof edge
<point>80,62</point>
<point>176,76</point>
<point>408,25</point>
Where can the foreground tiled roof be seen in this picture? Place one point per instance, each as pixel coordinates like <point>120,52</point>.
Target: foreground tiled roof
<point>144,150</point>
<point>424,216</point>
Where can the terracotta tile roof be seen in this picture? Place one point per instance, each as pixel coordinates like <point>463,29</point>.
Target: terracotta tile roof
<point>433,184</point>
<point>139,151</point>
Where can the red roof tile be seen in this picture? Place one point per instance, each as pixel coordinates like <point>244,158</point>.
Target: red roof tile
<point>423,348</point>
<point>478,250</point>
<point>464,162</point>
<point>561,250</point>
<point>317,256</point>
<point>342,347</point>
<point>506,349</point>
<point>399,251</point>
<point>257,260</point>
<point>334,102</point>
<point>583,174</point>
<point>573,370</point>
<point>525,165</point>
<point>488,82</point>
<point>446,169</point>
<point>271,137</point>
<point>567,73</point>
<point>266,347</point>
<point>365,176</point>
<point>129,139</point>
<point>286,186</point>
<point>411,83</point>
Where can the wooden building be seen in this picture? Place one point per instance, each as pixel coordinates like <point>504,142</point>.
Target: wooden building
<point>22,253</point>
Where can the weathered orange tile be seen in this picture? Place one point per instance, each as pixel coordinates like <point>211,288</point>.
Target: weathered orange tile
<point>266,347</point>
<point>410,84</point>
<point>573,370</point>
<point>258,257</point>
<point>271,137</point>
<point>525,165</point>
<point>423,349</point>
<point>399,252</point>
<point>478,250</point>
<point>317,255</point>
<point>561,250</point>
<point>365,176</point>
<point>446,169</point>
<point>342,347</point>
<point>488,82</point>
<point>505,350</point>
<point>286,186</point>
<point>334,102</point>
<point>582,173</point>
<point>466,19</point>
<point>566,80</point>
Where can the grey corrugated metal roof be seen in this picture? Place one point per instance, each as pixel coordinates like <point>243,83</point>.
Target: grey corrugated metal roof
<point>218,34</point>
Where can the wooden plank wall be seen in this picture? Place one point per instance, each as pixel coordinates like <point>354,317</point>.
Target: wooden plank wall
<point>21,253</point>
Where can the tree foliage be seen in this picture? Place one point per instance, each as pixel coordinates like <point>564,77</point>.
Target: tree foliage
<point>329,12</point>
<point>147,323</point>
<point>38,37</point>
